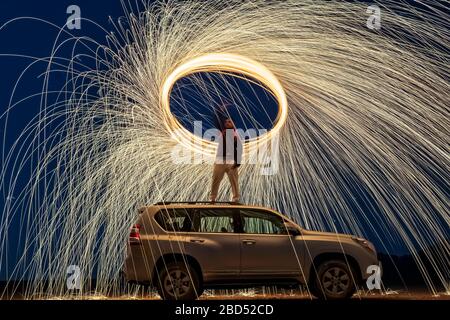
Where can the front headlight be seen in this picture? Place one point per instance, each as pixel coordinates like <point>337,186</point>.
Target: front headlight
<point>366,244</point>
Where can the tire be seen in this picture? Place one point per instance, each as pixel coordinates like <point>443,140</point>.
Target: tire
<point>178,281</point>
<point>335,280</point>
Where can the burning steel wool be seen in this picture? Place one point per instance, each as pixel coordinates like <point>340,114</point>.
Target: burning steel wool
<point>360,111</point>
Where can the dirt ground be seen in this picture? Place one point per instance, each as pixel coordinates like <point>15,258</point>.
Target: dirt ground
<point>266,293</point>
<point>392,295</point>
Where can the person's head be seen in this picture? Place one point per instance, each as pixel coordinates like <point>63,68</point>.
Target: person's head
<point>228,123</point>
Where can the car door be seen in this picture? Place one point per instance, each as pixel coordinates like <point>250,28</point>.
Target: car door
<point>214,242</point>
<point>266,248</point>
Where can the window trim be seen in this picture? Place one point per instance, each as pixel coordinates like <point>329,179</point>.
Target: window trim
<point>239,232</point>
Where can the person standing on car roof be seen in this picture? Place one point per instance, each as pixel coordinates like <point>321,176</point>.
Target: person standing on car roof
<point>228,159</point>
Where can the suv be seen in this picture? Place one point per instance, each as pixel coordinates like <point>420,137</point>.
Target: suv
<point>182,248</point>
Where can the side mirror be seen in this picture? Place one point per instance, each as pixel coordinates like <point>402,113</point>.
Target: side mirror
<point>292,229</point>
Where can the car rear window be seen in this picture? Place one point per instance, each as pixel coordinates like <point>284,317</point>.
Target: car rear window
<point>175,220</point>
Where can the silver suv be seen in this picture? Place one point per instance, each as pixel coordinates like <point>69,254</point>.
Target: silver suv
<point>182,248</point>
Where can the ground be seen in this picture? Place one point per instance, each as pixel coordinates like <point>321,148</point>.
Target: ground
<point>249,295</point>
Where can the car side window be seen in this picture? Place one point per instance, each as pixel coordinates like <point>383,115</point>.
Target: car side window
<point>175,220</point>
<point>262,222</point>
<point>216,220</point>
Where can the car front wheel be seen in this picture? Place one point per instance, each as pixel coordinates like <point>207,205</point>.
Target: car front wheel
<point>335,280</point>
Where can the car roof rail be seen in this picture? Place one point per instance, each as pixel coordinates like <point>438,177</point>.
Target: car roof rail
<point>162,203</point>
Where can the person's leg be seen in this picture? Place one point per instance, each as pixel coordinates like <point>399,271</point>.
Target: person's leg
<point>218,172</point>
<point>233,175</point>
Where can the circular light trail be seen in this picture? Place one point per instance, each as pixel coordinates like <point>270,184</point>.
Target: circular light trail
<point>221,62</point>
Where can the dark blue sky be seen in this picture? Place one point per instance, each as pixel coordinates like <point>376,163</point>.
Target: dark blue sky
<point>36,39</point>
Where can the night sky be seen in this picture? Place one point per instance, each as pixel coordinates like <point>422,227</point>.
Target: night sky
<point>36,39</point>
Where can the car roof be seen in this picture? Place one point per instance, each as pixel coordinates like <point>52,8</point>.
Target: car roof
<point>205,205</point>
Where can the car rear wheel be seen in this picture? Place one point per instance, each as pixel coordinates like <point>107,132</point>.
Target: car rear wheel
<point>335,280</point>
<point>178,281</point>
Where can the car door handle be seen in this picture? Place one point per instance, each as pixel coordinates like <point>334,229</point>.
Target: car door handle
<point>195,240</point>
<point>249,241</point>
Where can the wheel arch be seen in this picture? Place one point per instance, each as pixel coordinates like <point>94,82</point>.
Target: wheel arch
<point>323,257</point>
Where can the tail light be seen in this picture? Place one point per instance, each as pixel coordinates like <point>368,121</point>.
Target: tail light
<point>135,234</point>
